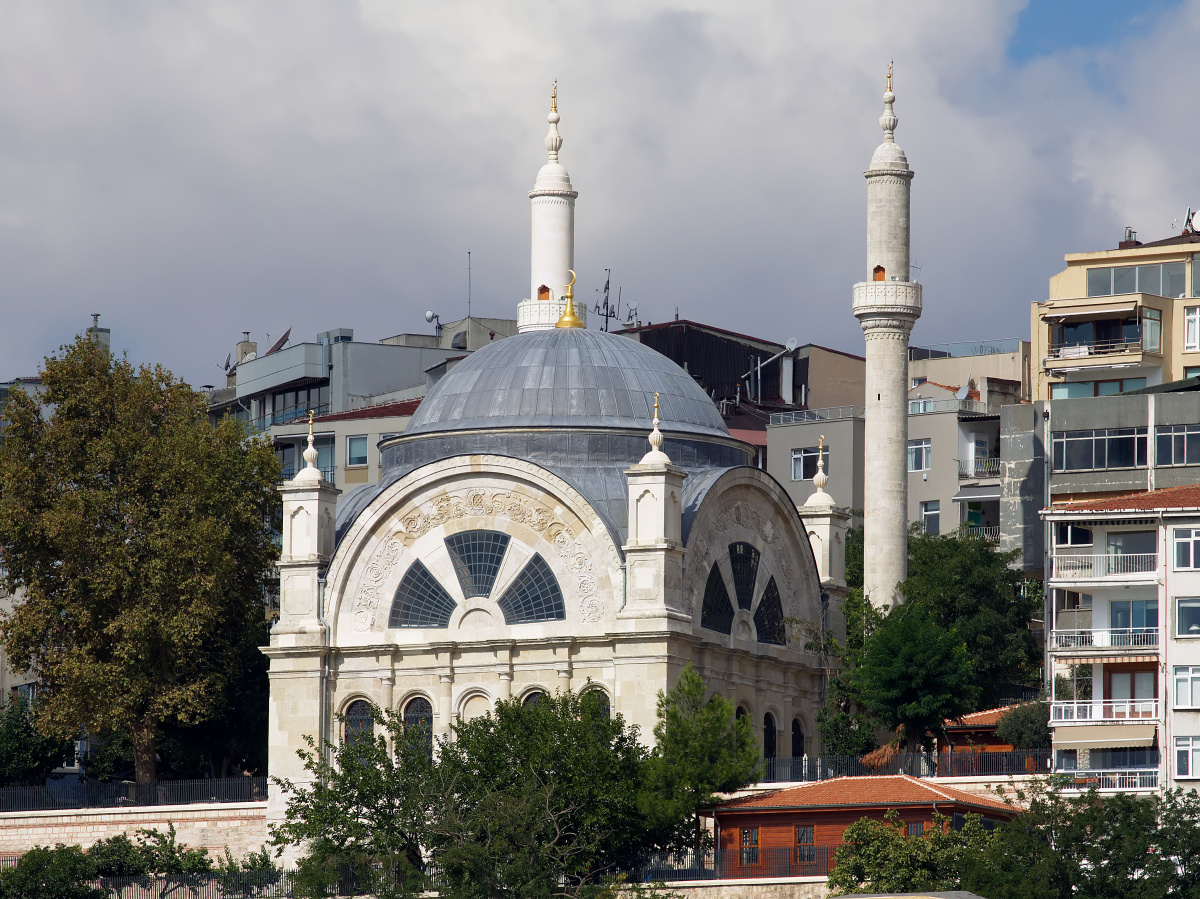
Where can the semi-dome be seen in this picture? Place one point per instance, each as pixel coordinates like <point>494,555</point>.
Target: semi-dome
<point>566,378</point>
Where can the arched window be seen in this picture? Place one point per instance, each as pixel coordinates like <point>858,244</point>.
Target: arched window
<point>717,612</point>
<point>420,600</point>
<point>743,560</point>
<point>598,699</point>
<point>533,698</point>
<point>360,723</point>
<point>534,595</point>
<point>418,717</point>
<point>543,292</point>
<point>477,556</point>
<point>797,739</point>
<point>740,713</point>
<point>769,736</point>
<point>879,274</point>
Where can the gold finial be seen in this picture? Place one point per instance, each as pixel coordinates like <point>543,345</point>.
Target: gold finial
<point>889,83</point>
<point>569,319</point>
<point>554,97</point>
<point>310,421</point>
<point>656,405</point>
<point>821,448</point>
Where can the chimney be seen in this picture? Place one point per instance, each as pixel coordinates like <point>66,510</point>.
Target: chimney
<point>1130,240</point>
<point>99,335</point>
<point>246,347</point>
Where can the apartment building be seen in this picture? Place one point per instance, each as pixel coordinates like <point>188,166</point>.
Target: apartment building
<point>1119,320</point>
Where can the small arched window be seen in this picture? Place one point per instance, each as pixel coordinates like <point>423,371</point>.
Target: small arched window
<point>769,736</point>
<point>533,698</point>
<point>543,292</point>
<point>797,739</point>
<point>740,713</point>
<point>597,699</point>
<point>360,723</point>
<point>418,718</point>
<point>879,274</point>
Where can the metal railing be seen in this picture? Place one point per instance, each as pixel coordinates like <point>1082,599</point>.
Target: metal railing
<point>947,763</point>
<point>730,864</point>
<point>991,534</point>
<point>90,794</point>
<point>965,348</point>
<point>1105,638</point>
<point>979,468</point>
<point>1096,348</point>
<point>1094,567</point>
<point>1104,710</point>
<point>1110,781</point>
<point>924,407</point>
<point>833,413</point>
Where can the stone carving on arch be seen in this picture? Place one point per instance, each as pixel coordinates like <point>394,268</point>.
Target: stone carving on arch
<point>460,493</point>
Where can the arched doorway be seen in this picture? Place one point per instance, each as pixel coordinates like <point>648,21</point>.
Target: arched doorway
<point>879,274</point>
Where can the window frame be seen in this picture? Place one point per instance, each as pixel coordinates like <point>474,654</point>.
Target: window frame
<point>748,846</point>
<point>1105,437</point>
<point>1191,329</point>
<point>804,836</point>
<point>920,449</point>
<point>934,513</point>
<point>1190,542</point>
<point>1194,602</point>
<point>1190,746</point>
<point>1191,675</point>
<point>350,463</point>
<point>915,829</point>
<point>808,455</point>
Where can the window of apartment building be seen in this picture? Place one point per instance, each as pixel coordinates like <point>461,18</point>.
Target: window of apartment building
<point>287,405</point>
<point>1191,371</point>
<point>804,463</point>
<point>1066,759</point>
<point>1187,756</point>
<point>326,456</point>
<point>1151,330</point>
<point>1127,616</point>
<point>1177,445</point>
<point>1187,548</point>
<point>1166,279</point>
<point>749,854</point>
<point>1187,617</point>
<point>916,828</point>
<point>920,454</point>
<point>1187,686</point>
<point>356,450</point>
<point>1099,449</point>
<point>805,850</point>
<point>1072,535</point>
<point>917,382</point>
<point>931,514</point>
<point>1191,328</point>
<point>1071,390</point>
<point>1072,601</point>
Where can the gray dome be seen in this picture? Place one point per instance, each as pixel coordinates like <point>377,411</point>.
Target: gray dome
<point>564,378</point>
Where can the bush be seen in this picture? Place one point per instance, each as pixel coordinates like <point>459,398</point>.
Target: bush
<point>1026,727</point>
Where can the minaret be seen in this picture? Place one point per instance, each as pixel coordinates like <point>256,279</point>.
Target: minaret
<point>887,306</point>
<point>552,254</point>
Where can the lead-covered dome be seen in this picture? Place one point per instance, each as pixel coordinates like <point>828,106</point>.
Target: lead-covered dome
<point>566,378</point>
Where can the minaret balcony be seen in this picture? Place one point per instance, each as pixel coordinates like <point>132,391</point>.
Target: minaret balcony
<point>887,298</point>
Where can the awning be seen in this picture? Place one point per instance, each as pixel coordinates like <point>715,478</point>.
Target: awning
<point>1091,310</point>
<point>977,493</point>
<point>1104,736</point>
<point>1102,654</point>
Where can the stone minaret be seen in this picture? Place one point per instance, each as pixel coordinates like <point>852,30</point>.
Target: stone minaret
<point>887,306</point>
<point>552,255</point>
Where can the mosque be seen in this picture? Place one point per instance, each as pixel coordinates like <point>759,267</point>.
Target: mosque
<point>566,510</point>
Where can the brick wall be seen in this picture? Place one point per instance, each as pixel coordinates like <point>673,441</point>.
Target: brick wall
<point>242,826</point>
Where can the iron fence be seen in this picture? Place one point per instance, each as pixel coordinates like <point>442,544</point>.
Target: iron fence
<point>242,885</point>
<point>726,864</point>
<point>90,794</point>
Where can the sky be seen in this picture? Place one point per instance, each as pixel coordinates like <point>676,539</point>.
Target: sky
<point>196,169</point>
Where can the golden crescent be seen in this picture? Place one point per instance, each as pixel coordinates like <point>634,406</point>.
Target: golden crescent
<point>573,276</point>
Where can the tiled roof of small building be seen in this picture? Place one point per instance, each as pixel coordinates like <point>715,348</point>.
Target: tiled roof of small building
<point>1150,501</point>
<point>986,718</point>
<point>888,789</point>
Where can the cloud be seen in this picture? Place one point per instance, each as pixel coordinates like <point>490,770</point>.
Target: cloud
<point>196,169</point>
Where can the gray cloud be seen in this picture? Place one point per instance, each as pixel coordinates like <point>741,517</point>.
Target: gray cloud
<point>195,169</point>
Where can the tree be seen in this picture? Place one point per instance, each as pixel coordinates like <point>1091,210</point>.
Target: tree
<point>26,756</point>
<point>142,538</point>
<point>43,873</point>
<point>881,857</point>
<point>701,749</point>
<point>846,725</point>
<point>914,675</point>
<point>1026,727</point>
<point>966,586</point>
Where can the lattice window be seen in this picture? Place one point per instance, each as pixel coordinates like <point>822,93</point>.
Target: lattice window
<point>477,556</point>
<point>421,601</point>
<point>533,596</point>
<point>743,559</point>
<point>360,723</point>
<point>768,619</point>
<point>717,612</point>
<point>418,721</point>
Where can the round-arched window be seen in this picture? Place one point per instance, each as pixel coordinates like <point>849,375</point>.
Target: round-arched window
<point>740,713</point>
<point>418,717</point>
<point>797,739</point>
<point>533,698</point>
<point>598,699</point>
<point>360,723</point>
<point>769,736</point>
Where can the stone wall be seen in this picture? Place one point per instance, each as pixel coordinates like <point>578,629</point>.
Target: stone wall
<point>780,888</point>
<point>242,826</point>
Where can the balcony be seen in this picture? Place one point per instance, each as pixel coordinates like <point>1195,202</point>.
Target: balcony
<point>1110,781</point>
<point>926,406</point>
<point>1137,567</point>
<point>990,534</point>
<point>978,468</point>
<point>1091,710</point>
<point>1124,638</point>
<point>1096,348</point>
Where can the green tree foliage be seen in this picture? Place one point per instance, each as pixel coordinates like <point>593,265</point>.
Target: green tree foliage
<point>964,585</point>
<point>26,756</point>
<point>1026,727</point>
<point>142,539</point>
<point>43,873</point>
<point>914,675</point>
<point>701,749</point>
<point>881,857</point>
<point>846,725</point>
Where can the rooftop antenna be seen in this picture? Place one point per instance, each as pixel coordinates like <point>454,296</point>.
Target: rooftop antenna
<point>95,319</point>
<point>434,319</point>
<point>607,311</point>
<point>468,283</point>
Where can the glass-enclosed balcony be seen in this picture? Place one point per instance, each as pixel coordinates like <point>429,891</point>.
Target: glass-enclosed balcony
<point>1084,333</point>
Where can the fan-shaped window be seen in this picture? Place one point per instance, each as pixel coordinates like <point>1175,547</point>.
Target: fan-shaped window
<point>769,736</point>
<point>477,556</point>
<point>797,739</point>
<point>768,618</point>
<point>717,612</point>
<point>418,718</point>
<point>743,559</point>
<point>421,601</point>
<point>360,723</point>
<point>533,596</point>
<point>534,698</point>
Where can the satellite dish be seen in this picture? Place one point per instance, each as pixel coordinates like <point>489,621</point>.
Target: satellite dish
<point>792,344</point>
<point>632,304</point>
<point>429,316</point>
<point>961,393</point>
<point>249,357</point>
<point>1194,220</point>
<point>228,356</point>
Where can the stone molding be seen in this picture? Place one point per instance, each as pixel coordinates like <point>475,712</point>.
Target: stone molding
<point>558,197</point>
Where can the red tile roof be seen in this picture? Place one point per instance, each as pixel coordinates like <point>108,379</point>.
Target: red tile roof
<point>986,718</point>
<point>885,790</point>
<point>1152,501</point>
<point>383,410</point>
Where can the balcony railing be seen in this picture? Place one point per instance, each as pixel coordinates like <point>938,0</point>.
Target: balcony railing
<point>834,413</point>
<point>991,534</point>
<point>947,763</point>
<point>1105,638</point>
<point>1085,567</point>
<point>979,468</point>
<point>965,348</point>
<point>91,794</point>
<point>1096,348</point>
<point>924,407</point>
<point>1104,710</point>
<point>1110,781</point>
